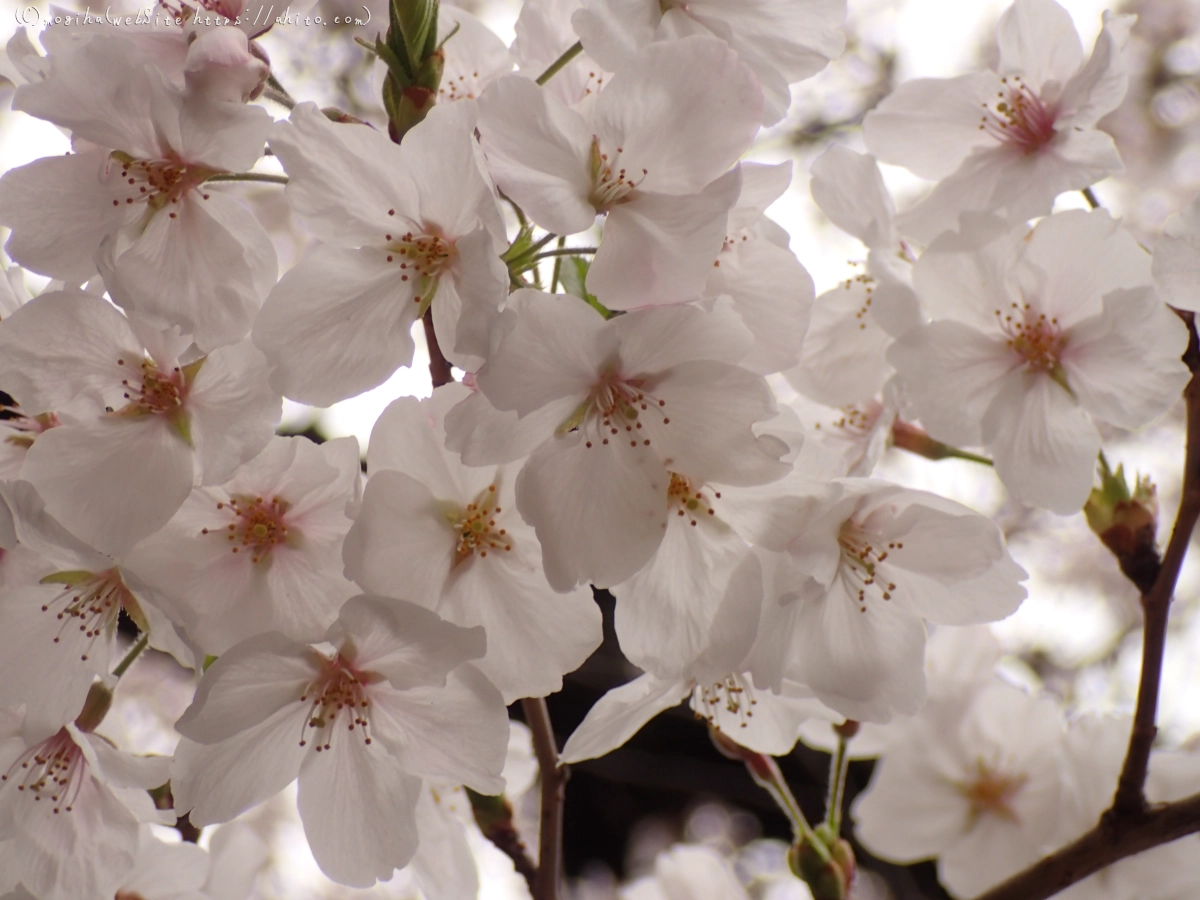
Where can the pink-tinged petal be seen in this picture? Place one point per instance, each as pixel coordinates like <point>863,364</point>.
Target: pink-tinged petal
<point>468,299</point>
<point>456,733</point>
<point>612,31</point>
<point>951,374</point>
<point>1075,159</point>
<point>1038,42</point>
<point>112,481</point>
<point>850,190</point>
<point>59,209</point>
<point>1176,263</point>
<point>534,635</point>
<point>46,663</point>
<point>551,353</point>
<point>772,294</point>
<point>911,810</point>
<point>711,407</point>
<point>658,249</point>
<point>337,324</point>
<point>967,275</point>
<point>620,714</point>
<point>603,536</point>
<point>865,659</point>
<point>1073,259</point>
<point>652,340</point>
<point>444,864</point>
<point>409,646</point>
<point>538,152</point>
<point>665,613</point>
<point>762,185</point>
<point>475,59</point>
<point>247,685</point>
<point>930,125</point>
<point>216,782</point>
<point>992,849</point>
<point>974,187</point>
<point>231,410</point>
<point>762,721</point>
<point>225,136</point>
<point>238,855</point>
<point>221,68</point>
<point>1043,443</point>
<point>219,262</point>
<point>118,769</point>
<point>343,179</point>
<point>59,353</point>
<point>684,111</point>
<point>1124,365</point>
<point>1099,87</point>
<point>357,804</point>
<point>486,436</point>
<point>842,357</point>
<point>401,544</point>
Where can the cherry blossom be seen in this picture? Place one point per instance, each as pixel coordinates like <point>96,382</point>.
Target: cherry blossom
<point>625,403</point>
<point>1176,263</point>
<point>652,155</point>
<point>1021,355</point>
<point>135,198</point>
<point>261,551</point>
<point>475,57</point>
<point>448,536</point>
<point>688,872</point>
<point>138,426</point>
<point>782,41</point>
<point>982,791</point>
<point>543,32</point>
<point>360,728</point>
<point>1010,140</point>
<point>398,239</point>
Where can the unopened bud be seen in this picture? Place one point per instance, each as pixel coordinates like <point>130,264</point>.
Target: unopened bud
<point>1126,521</point>
<point>825,863</point>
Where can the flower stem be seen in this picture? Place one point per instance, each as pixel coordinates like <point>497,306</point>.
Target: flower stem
<point>554,781</point>
<point>264,177</point>
<point>558,65</point>
<point>133,654</point>
<point>562,243</point>
<point>1091,198</point>
<point>562,251</point>
<point>916,440</point>
<point>838,764</point>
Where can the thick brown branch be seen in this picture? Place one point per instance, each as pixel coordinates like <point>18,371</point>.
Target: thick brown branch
<point>553,785</point>
<point>439,368</point>
<point>1112,840</point>
<point>1156,604</point>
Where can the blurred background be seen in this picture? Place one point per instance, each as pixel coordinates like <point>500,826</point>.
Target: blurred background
<point>1077,636</point>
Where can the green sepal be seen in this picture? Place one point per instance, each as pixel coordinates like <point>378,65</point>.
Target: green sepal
<point>72,577</point>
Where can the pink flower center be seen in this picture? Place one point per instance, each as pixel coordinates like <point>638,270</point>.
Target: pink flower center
<point>1037,340</point>
<point>733,694</point>
<point>53,770</point>
<point>689,501</point>
<point>992,792</point>
<point>156,182</point>
<point>154,393</point>
<point>611,183</point>
<point>258,527</point>
<point>613,410</point>
<point>861,557</point>
<point>27,428</point>
<point>477,531</point>
<point>90,603</point>
<point>1019,117</point>
<point>338,698</point>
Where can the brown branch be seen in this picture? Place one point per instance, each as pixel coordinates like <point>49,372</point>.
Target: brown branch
<point>494,816</point>
<point>1113,839</point>
<point>1130,825</point>
<point>1156,603</point>
<point>553,786</point>
<point>439,368</point>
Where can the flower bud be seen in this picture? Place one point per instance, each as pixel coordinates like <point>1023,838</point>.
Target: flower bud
<point>1127,522</point>
<point>414,58</point>
<point>825,863</point>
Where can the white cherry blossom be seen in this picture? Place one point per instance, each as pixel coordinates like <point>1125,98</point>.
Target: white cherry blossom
<point>624,403</point>
<point>782,41</point>
<point>1176,263</point>
<point>652,155</point>
<point>1010,140</point>
<point>404,227</point>
<point>688,872</point>
<point>135,198</point>
<point>360,728</point>
<point>260,552</point>
<point>138,426</point>
<point>448,536</point>
<point>1034,339</point>
<point>543,33</point>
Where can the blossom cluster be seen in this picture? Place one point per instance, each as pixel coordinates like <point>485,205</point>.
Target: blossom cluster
<point>616,424</point>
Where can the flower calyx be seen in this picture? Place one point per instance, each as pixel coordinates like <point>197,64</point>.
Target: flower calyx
<point>1126,521</point>
<point>825,862</point>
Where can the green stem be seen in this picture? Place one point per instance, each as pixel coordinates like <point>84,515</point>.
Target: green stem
<point>133,654</point>
<point>563,251</point>
<point>916,440</point>
<point>558,65</point>
<point>562,242</point>
<point>1091,198</point>
<point>264,177</point>
<point>838,764</point>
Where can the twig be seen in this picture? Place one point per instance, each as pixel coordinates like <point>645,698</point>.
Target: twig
<point>1110,841</point>
<point>553,785</point>
<point>494,816</point>
<point>439,369</point>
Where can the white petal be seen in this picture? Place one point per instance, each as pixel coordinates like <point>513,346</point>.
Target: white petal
<point>588,534</point>
<point>1043,443</point>
<point>620,714</point>
<point>850,190</point>
<point>1099,86</point>
<point>337,324</point>
<point>444,864</point>
<point>1177,259</point>
<point>1037,41</point>
<point>764,722</point>
<point>357,804</point>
